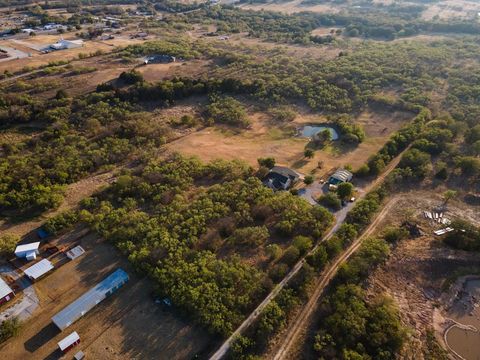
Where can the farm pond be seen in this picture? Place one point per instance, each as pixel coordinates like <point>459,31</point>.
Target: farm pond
<point>311,130</point>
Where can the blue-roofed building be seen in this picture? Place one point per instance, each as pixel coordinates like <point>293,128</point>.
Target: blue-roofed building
<point>92,297</point>
<point>42,233</point>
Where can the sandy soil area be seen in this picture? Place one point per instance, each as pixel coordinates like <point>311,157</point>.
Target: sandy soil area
<point>416,271</point>
<point>128,325</point>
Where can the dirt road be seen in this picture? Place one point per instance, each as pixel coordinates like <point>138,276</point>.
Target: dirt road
<point>302,319</point>
<point>340,218</point>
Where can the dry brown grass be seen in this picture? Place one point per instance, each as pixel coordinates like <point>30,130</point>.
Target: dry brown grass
<point>127,325</point>
<point>266,139</point>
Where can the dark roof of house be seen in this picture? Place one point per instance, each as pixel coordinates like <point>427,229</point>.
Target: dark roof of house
<point>277,180</point>
<point>282,170</point>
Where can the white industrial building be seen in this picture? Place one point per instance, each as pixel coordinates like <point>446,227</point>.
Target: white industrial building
<point>75,252</point>
<point>36,271</point>
<point>69,342</point>
<point>90,299</point>
<point>67,44</point>
<point>6,292</point>
<point>27,251</point>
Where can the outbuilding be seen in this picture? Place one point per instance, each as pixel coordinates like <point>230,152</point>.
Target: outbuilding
<point>69,342</point>
<point>38,270</point>
<point>75,252</point>
<point>27,251</point>
<point>90,299</point>
<point>340,176</point>
<point>6,292</point>
<point>67,44</point>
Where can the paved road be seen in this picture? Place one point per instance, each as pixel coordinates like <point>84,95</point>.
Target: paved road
<point>340,218</point>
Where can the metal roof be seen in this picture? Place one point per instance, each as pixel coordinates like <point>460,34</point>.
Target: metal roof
<point>27,247</point>
<point>4,289</point>
<point>75,252</point>
<point>39,269</point>
<point>342,175</point>
<point>92,297</point>
<point>68,341</point>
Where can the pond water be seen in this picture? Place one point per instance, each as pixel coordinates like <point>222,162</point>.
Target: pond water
<point>310,130</point>
<point>466,311</point>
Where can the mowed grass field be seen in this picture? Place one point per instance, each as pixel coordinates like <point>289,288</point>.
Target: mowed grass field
<point>266,139</point>
<point>128,325</point>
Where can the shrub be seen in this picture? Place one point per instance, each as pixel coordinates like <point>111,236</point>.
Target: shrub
<point>8,242</point>
<point>330,200</point>
<point>9,328</point>
<point>308,180</point>
<point>291,255</point>
<point>250,236</point>
<point>268,162</point>
<point>131,77</point>
<point>302,243</point>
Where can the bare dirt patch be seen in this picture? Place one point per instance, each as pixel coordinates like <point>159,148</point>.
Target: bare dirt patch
<point>293,7</point>
<point>125,326</point>
<point>40,41</point>
<point>452,9</point>
<point>415,274</point>
<point>156,72</point>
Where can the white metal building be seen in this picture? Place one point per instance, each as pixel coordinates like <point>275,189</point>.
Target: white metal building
<point>36,271</point>
<point>92,297</point>
<point>28,251</point>
<point>67,44</point>
<point>6,292</point>
<point>75,252</point>
<point>69,342</point>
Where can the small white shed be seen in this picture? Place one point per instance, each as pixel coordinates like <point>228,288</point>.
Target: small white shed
<point>69,342</point>
<point>28,251</point>
<point>36,271</point>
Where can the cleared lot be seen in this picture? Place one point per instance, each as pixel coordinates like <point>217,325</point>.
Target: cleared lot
<point>126,326</point>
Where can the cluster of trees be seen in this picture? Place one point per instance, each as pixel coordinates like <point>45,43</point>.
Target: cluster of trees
<point>173,230</point>
<point>354,327</point>
<point>351,133</point>
<point>465,236</point>
<point>227,110</point>
<point>370,316</point>
<point>9,328</point>
<point>297,27</point>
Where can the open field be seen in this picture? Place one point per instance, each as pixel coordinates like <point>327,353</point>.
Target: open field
<point>128,325</point>
<point>32,46</point>
<point>445,9</point>
<point>291,7</point>
<point>266,139</point>
<point>452,8</point>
